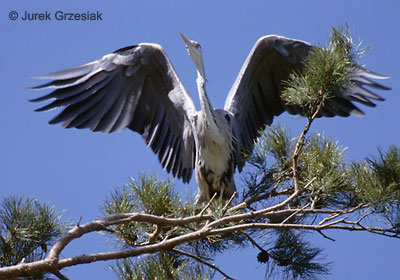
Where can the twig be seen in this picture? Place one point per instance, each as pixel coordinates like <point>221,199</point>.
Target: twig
<point>255,244</point>
<point>295,213</point>
<point>153,236</point>
<point>250,215</point>
<point>363,216</point>
<point>269,209</point>
<point>376,230</point>
<point>79,221</point>
<point>229,202</point>
<point>338,213</point>
<point>327,237</point>
<point>333,216</point>
<point>203,262</point>
<point>300,144</point>
<point>254,198</point>
<point>342,220</point>
<point>208,204</point>
<point>60,275</point>
<point>116,219</point>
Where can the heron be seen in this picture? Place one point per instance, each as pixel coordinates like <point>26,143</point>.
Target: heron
<point>137,87</point>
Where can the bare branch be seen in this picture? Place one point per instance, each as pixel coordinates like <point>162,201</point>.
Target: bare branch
<point>101,224</point>
<point>255,244</point>
<point>325,236</point>
<point>334,225</point>
<point>153,236</point>
<point>53,264</point>
<point>295,213</point>
<point>208,204</point>
<point>336,213</point>
<point>331,217</point>
<point>229,202</point>
<point>79,221</point>
<point>213,266</point>
<point>300,144</point>
<point>60,275</point>
<point>256,197</point>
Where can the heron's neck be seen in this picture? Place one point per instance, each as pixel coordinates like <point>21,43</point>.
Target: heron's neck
<point>206,107</point>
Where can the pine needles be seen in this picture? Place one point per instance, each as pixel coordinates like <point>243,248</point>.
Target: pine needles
<point>291,185</point>
<point>326,71</point>
<point>27,229</point>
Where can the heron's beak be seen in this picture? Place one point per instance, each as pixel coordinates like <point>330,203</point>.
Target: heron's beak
<point>187,41</point>
<point>195,55</point>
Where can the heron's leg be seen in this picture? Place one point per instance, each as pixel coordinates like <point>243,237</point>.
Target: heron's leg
<point>221,195</point>
<point>203,189</point>
<point>207,192</point>
<point>202,197</point>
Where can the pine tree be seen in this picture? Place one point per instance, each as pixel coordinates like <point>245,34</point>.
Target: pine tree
<point>291,186</point>
<point>27,229</point>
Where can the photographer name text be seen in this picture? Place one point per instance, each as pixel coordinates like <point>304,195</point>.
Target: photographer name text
<point>58,15</point>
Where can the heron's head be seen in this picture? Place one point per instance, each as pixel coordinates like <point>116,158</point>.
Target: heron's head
<point>194,50</point>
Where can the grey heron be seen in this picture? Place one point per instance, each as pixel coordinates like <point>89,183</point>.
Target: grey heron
<point>136,87</point>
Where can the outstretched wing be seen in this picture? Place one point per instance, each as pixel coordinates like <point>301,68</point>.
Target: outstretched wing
<point>135,87</point>
<point>255,97</point>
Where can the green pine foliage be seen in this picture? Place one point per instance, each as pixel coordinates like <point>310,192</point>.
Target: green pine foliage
<point>269,165</point>
<point>329,191</point>
<point>295,258</point>
<point>326,71</point>
<point>150,195</point>
<point>161,266</point>
<point>377,182</point>
<point>27,230</point>
<point>323,163</point>
<point>141,196</point>
<point>379,178</point>
<point>327,181</point>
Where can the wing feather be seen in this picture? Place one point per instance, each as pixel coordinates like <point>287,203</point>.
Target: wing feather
<point>137,88</point>
<point>255,97</point>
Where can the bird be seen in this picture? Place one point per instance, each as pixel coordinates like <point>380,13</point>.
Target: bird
<point>137,87</point>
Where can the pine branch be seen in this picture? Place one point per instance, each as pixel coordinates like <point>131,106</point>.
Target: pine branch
<point>214,228</point>
<point>300,144</point>
<point>103,224</point>
<point>354,227</point>
<point>208,204</point>
<point>308,187</point>
<point>213,266</point>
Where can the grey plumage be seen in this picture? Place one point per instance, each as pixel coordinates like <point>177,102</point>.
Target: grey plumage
<point>137,88</point>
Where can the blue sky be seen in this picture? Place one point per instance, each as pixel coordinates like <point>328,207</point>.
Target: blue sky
<point>76,169</point>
